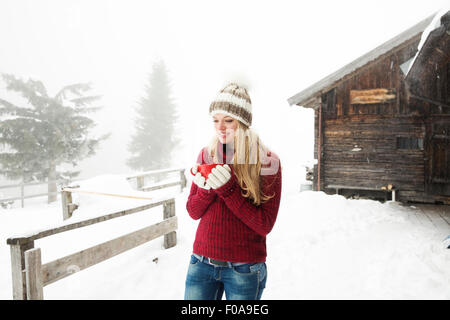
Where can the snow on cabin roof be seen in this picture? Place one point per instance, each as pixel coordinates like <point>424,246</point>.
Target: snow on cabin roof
<point>326,83</point>
<point>434,24</point>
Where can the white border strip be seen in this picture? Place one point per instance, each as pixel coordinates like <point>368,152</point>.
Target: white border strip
<point>230,98</point>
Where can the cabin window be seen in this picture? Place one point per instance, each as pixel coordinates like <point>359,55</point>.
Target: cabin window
<point>409,143</point>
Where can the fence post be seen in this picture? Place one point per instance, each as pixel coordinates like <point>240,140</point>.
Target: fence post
<point>67,206</point>
<point>183,180</point>
<point>170,239</point>
<point>33,264</point>
<point>22,194</point>
<point>18,268</point>
<point>66,199</point>
<point>139,182</point>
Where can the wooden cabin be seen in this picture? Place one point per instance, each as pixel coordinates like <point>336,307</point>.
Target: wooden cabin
<point>382,122</point>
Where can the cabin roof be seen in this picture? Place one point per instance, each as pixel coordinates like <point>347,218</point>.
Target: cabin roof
<point>435,38</point>
<point>303,97</point>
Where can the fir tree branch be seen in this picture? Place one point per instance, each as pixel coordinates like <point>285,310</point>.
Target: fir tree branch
<point>33,91</point>
<point>77,89</point>
<point>84,101</point>
<point>11,109</point>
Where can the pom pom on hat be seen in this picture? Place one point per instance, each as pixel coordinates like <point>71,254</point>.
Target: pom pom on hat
<point>238,78</point>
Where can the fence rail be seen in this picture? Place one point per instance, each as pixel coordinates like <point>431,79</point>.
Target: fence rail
<point>140,179</point>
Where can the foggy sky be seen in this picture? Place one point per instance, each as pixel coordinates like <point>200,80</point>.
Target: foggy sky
<point>280,47</point>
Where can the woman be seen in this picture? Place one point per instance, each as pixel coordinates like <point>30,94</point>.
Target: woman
<point>237,205</point>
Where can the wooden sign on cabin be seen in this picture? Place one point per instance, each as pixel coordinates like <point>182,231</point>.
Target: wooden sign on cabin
<point>372,96</point>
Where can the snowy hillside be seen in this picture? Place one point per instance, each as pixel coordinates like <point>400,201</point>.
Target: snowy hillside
<point>322,247</point>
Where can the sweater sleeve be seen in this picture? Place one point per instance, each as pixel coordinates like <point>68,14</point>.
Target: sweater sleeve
<point>260,218</point>
<point>199,199</point>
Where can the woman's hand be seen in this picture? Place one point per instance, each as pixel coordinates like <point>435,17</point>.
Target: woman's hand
<point>199,180</point>
<point>219,176</point>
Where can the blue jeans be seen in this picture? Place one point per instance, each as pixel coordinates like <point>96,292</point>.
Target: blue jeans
<point>245,281</point>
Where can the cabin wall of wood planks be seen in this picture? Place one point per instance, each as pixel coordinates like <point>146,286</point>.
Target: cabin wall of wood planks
<point>363,152</point>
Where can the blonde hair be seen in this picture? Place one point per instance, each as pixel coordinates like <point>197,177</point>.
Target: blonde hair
<point>247,162</point>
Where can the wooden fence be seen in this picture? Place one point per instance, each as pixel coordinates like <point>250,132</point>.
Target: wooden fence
<point>140,179</point>
<point>140,182</point>
<point>66,193</point>
<point>22,187</point>
<point>30,276</point>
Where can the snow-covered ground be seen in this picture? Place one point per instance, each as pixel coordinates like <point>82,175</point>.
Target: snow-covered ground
<point>322,247</point>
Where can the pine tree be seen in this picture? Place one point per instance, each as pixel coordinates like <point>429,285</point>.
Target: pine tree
<point>154,140</point>
<point>45,131</point>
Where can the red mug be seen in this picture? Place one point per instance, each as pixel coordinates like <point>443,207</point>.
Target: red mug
<point>205,169</point>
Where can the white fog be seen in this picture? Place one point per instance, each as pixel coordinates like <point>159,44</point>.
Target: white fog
<point>278,47</point>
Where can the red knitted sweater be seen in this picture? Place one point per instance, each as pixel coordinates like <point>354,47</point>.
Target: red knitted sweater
<point>232,228</point>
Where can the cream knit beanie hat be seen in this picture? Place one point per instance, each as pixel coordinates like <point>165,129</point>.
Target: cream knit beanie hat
<point>234,101</point>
